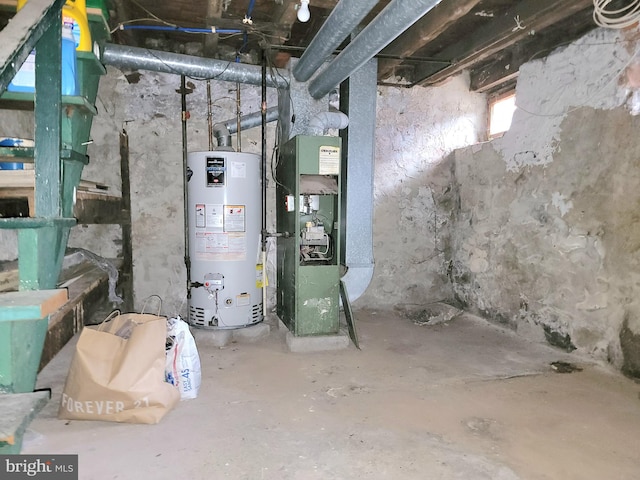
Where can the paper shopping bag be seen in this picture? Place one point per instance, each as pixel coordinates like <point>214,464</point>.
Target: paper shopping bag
<point>117,372</point>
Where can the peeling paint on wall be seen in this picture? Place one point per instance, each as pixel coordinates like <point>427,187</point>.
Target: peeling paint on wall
<point>585,73</point>
<point>548,232</point>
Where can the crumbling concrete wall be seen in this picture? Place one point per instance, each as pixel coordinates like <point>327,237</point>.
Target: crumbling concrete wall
<point>546,236</point>
<point>413,198</point>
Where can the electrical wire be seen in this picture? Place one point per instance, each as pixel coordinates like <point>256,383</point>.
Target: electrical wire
<point>141,19</point>
<point>619,18</point>
<point>167,28</point>
<point>155,17</point>
<point>275,154</point>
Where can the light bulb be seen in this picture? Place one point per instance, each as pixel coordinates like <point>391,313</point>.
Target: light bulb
<point>303,11</point>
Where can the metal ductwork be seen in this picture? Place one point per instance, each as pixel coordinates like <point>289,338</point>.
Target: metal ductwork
<point>343,20</point>
<point>223,130</point>
<point>386,27</point>
<point>358,101</point>
<point>123,56</point>
<point>326,120</point>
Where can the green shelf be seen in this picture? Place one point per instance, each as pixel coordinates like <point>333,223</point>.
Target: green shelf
<point>26,154</point>
<point>24,101</point>
<point>90,63</point>
<point>62,128</point>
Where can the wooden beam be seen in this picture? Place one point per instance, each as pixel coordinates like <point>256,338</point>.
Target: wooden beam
<point>31,305</point>
<point>496,72</point>
<point>210,42</point>
<point>488,75</point>
<point>496,35</point>
<point>127,37</point>
<point>8,5</point>
<point>98,209</point>
<point>425,30</point>
<point>48,129</point>
<point>285,14</point>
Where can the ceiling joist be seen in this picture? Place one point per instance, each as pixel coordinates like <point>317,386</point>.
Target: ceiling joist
<point>523,19</point>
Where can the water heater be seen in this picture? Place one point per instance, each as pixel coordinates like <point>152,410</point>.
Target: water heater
<point>225,205</point>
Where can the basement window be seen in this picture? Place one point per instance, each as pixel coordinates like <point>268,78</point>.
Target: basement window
<point>501,110</point>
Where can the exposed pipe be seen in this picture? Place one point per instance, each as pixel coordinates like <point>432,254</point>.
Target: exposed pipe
<point>342,21</point>
<point>396,17</point>
<point>263,181</point>
<point>326,120</point>
<point>250,8</point>
<point>222,131</point>
<point>209,115</point>
<point>238,120</point>
<point>184,115</point>
<point>123,56</point>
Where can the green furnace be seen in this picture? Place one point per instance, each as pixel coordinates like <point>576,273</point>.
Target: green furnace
<point>308,210</point>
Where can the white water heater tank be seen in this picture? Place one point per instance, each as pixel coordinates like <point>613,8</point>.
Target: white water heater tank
<point>225,206</point>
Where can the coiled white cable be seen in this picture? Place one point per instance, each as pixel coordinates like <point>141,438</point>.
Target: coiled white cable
<point>620,18</point>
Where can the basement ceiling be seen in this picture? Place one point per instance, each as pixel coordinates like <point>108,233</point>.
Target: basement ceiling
<point>490,38</point>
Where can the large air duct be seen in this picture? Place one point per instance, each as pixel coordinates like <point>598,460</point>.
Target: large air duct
<point>123,56</point>
<point>358,101</point>
<point>343,20</point>
<point>386,27</point>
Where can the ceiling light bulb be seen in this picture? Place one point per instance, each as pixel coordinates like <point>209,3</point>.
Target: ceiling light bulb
<point>303,11</point>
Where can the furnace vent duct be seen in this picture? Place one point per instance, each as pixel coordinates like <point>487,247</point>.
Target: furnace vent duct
<point>223,137</point>
<point>326,120</point>
<point>222,131</point>
<point>343,20</point>
<point>396,17</point>
<point>123,56</point>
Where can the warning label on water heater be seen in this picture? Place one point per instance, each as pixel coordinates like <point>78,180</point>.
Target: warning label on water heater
<point>234,218</point>
<point>329,160</point>
<point>212,246</point>
<point>213,217</point>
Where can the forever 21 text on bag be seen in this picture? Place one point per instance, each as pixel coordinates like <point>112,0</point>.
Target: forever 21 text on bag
<point>117,372</point>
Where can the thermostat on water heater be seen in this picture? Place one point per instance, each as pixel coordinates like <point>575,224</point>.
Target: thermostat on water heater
<point>213,282</point>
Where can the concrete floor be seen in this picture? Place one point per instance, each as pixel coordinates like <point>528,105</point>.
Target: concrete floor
<point>463,400</point>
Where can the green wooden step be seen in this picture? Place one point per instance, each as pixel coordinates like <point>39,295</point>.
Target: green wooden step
<point>17,410</point>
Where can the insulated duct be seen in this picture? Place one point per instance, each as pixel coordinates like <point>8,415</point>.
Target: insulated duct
<point>326,120</point>
<point>223,130</point>
<point>123,56</point>
<point>342,21</point>
<point>386,27</point>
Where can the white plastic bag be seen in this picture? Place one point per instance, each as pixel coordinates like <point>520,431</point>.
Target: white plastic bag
<point>182,367</point>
